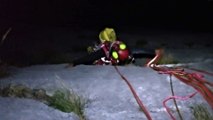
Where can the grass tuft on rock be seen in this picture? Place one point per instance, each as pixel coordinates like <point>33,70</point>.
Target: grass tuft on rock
<point>63,100</point>
<point>200,112</point>
<point>68,101</point>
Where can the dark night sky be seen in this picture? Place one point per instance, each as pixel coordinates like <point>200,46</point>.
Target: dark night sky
<point>97,12</point>
<point>32,21</point>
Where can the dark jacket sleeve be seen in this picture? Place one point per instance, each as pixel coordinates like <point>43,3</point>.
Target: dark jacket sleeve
<point>143,53</point>
<point>89,58</point>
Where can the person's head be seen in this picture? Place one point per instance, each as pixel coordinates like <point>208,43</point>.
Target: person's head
<point>108,34</point>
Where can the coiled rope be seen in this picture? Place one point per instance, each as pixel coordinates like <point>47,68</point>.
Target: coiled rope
<point>194,80</point>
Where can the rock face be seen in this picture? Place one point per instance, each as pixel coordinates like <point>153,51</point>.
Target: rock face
<point>108,95</point>
<point>27,109</point>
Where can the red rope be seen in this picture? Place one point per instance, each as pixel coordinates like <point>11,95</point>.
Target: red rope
<point>194,80</point>
<point>135,95</point>
<point>199,85</point>
<point>176,97</point>
<point>201,71</point>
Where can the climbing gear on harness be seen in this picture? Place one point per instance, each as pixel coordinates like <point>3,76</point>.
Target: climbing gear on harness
<point>118,51</point>
<point>115,53</point>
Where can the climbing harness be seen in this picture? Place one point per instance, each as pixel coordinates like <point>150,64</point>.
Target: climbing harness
<point>115,53</point>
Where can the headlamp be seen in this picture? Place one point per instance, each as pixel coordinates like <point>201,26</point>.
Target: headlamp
<point>122,46</point>
<point>114,54</point>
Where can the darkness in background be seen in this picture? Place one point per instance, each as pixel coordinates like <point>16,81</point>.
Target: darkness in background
<point>95,13</point>
<point>28,17</point>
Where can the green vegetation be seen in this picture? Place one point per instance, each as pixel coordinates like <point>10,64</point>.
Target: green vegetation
<point>200,112</point>
<point>67,101</point>
<point>167,59</point>
<point>63,100</point>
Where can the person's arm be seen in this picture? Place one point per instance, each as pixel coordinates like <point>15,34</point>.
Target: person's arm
<point>89,58</point>
<point>143,53</point>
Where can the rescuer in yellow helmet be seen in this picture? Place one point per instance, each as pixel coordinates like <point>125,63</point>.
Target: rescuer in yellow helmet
<point>108,51</point>
<point>107,35</point>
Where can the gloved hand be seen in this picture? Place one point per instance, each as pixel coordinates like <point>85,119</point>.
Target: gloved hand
<point>90,49</point>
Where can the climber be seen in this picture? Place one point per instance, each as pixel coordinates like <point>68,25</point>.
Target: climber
<point>111,51</point>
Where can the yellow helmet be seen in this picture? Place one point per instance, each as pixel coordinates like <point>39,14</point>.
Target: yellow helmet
<point>108,34</point>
